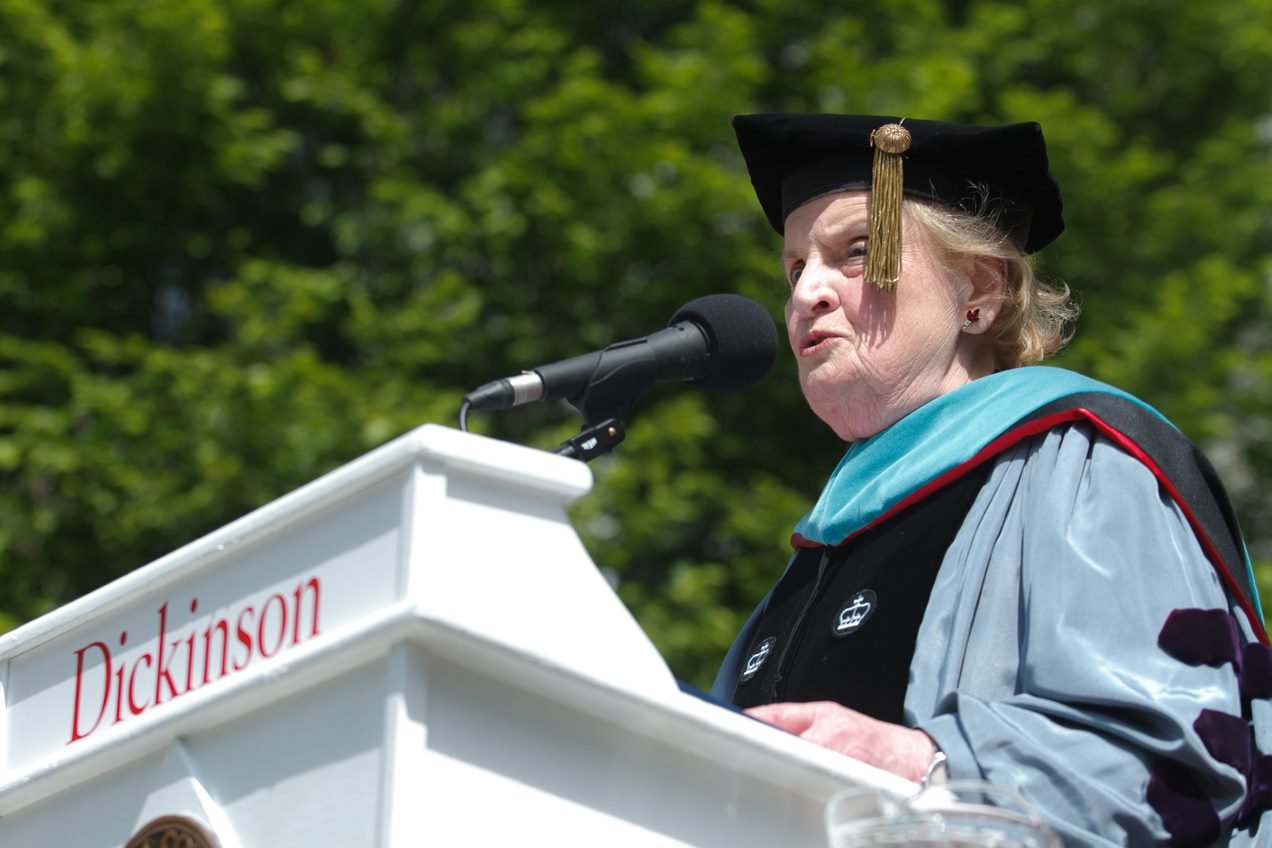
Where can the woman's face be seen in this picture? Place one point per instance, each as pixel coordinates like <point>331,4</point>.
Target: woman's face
<point>868,357</point>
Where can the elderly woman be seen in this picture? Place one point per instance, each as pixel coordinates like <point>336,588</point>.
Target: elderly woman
<point>1014,574</point>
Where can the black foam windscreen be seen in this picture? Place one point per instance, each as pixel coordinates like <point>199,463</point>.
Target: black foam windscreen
<point>743,340</point>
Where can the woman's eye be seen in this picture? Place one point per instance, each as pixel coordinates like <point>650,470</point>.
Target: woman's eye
<point>857,250</point>
<point>797,270</point>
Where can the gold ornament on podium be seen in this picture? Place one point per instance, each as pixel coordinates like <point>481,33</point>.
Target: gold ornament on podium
<point>173,832</point>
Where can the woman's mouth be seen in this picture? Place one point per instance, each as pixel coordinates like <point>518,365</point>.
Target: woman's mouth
<point>815,342</point>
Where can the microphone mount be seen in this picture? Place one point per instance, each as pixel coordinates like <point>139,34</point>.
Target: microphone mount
<point>624,373</point>
<point>618,382</point>
<point>593,441</point>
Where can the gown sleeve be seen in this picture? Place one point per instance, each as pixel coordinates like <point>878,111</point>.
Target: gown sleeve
<point>1045,662</point>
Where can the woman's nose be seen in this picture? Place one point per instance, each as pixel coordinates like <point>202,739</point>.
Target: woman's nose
<point>814,292</point>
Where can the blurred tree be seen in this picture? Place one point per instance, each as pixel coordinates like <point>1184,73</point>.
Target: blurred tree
<point>243,241</point>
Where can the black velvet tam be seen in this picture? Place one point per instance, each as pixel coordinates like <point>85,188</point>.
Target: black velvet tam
<point>795,158</point>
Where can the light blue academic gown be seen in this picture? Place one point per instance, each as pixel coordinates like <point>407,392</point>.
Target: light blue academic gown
<point>1037,665</point>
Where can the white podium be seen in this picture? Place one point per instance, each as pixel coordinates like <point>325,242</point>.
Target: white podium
<point>414,649</point>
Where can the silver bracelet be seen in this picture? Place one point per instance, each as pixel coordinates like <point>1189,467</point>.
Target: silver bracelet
<point>938,771</point>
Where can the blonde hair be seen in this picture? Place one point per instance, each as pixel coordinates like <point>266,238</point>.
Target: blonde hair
<point>1035,318</point>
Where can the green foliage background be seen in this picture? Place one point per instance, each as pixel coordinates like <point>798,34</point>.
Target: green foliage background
<point>244,241</point>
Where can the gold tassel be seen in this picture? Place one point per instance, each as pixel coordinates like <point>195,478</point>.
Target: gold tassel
<point>883,257</point>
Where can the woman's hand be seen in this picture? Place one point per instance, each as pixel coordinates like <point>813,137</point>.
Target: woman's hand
<point>900,750</point>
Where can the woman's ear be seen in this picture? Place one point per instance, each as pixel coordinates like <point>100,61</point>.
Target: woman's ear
<point>989,283</point>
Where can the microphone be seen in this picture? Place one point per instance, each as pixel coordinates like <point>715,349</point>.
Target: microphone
<point>716,343</point>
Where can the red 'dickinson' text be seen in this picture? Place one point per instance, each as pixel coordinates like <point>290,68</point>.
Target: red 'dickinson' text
<point>110,689</point>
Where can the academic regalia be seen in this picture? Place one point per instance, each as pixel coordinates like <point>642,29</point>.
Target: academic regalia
<point>1090,637</point>
<point>1036,569</point>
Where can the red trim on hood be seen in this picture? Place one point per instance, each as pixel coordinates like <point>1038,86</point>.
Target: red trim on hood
<point>1041,425</point>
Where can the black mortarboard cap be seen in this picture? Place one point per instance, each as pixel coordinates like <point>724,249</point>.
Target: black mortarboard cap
<point>794,158</point>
